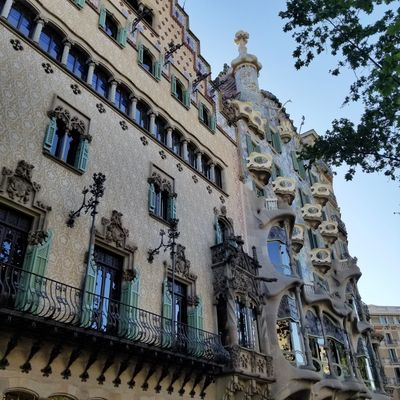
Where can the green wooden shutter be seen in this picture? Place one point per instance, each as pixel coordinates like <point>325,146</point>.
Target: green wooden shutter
<point>122,36</point>
<point>213,122</point>
<point>186,98</point>
<point>276,142</point>
<point>129,313</point>
<point>80,3</point>
<point>167,316</point>
<point>152,198</point>
<point>302,169</point>
<point>171,207</point>
<point>157,70</point>
<point>102,17</point>
<point>173,85</point>
<point>140,50</point>
<point>50,134</point>
<point>195,332</point>
<point>295,161</point>
<point>88,303</point>
<point>34,269</point>
<point>200,109</point>
<point>82,155</point>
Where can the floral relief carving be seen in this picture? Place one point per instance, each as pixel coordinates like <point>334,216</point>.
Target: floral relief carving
<point>162,183</point>
<point>195,178</point>
<point>144,140</point>
<point>209,190</point>
<point>162,154</point>
<point>47,68</point>
<point>124,125</point>
<point>75,89</point>
<point>114,230</point>
<point>100,108</point>
<point>179,166</point>
<point>16,44</point>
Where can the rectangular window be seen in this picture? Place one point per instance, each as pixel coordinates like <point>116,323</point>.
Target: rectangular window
<point>393,355</point>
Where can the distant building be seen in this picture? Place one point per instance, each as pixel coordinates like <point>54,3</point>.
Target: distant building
<point>386,323</point>
<point>258,299</point>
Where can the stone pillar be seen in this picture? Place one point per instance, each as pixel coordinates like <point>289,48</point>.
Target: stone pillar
<point>169,137</point>
<point>212,172</point>
<point>66,49</point>
<point>6,8</point>
<point>89,78</point>
<point>153,124</point>
<point>198,161</point>
<point>38,30</point>
<point>132,108</point>
<point>113,89</point>
<point>306,342</point>
<point>231,327</point>
<point>185,150</point>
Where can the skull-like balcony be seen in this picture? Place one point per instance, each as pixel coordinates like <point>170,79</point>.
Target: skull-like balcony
<point>321,193</point>
<point>285,189</point>
<point>285,134</point>
<point>329,231</point>
<point>321,259</point>
<point>312,214</point>
<point>260,165</point>
<point>298,237</point>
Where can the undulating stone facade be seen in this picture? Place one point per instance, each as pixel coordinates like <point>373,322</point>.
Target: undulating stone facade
<point>159,235</point>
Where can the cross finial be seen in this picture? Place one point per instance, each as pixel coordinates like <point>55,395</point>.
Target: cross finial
<point>241,39</point>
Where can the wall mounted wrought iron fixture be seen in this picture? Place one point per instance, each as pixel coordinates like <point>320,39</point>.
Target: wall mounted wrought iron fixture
<point>143,14</point>
<point>172,49</point>
<point>200,77</point>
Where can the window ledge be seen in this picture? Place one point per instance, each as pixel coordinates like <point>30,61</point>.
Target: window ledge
<point>180,102</point>
<point>205,125</point>
<point>111,38</point>
<point>63,163</point>
<point>159,219</point>
<point>147,72</point>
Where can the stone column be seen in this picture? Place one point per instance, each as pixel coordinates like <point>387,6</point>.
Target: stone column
<point>6,8</point>
<point>231,324</point>
<point>212,172</point>
<point>306,342</point>
<point>132,108</point>
<point>66,49</point>
<point>113,89</point>
<point>89,78</point>
<point>38,30</point>
<point>153,124</point>
<point>198,161</point>
<point>169,137</point>
<point>185,150</point>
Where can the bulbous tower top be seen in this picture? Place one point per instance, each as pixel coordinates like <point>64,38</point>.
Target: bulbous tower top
<point>241,39</point>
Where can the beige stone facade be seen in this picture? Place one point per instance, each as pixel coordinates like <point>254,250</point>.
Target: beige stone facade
<point>386,323</point>
<point>260,299</point>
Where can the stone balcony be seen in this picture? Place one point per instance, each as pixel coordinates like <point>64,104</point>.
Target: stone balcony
<point>285,189</point>
<point>312,214</point>
<point>321,193</point>
<point>251,363</point>
<point>260,165</point>
<point>285,134</point>
<point>347,268</point>
<point>298,237</point>
<point>329,231</point>
<point>321,259</point>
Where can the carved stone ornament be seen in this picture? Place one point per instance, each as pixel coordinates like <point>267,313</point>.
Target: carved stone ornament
<point>179,166</point>
<point>231,112</point>
<point>114,232</point>
<point>100,108</point>
<point>75,89</point>
<point>37,238</point>
<point>250,389</point>
<point>47,68</point>
<point>20,186</point>
<point>144,140</point>
<point>209,190</point>
<point>16,44</point>
<point>124,125</point>
<point>163,184</point>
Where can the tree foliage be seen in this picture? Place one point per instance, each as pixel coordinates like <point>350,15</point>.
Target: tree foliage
<point>364,36</point>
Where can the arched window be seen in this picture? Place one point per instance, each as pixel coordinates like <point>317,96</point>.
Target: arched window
<point>21,18</point>
<point>100,82</point>
<point>51,42</point>
<point>147,61</point>
<point>111,27</point>
<point>161,197</point>
<point>122,99</point>
<point>148,16</point>
<point>218,176</point>
<point>142,115</point>
<point>317,343</point>
<point>365,364</point>
<point>337,344</point>
<point>134,4</point>
<point>161,130</point>
<point>206,117</point>
<point>77,63</point>
<point>191,150</point>
<point>247,330</point>
<point>222,231</point>
<point>288,330</point>
<point>277,249</point>
<point>177,143</point>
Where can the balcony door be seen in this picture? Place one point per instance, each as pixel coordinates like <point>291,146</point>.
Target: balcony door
<point>108,288</point>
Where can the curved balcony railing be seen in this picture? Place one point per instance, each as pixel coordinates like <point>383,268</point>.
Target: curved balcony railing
<point>50,300</point>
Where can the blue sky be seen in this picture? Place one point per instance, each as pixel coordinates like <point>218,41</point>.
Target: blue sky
<point>368,202</point>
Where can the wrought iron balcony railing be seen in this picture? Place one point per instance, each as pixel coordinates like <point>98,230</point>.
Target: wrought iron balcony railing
<point>53,301</point>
